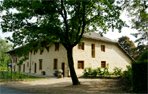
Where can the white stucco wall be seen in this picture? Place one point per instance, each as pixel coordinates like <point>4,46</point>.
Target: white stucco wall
<point>113,56</point>
<point>48,59</point>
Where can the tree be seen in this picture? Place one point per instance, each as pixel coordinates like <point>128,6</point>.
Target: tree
<point>137,10</point>
<point>127,45</point>
<point>4,58</point>
<point>143,58</point>
<point>63,21</point>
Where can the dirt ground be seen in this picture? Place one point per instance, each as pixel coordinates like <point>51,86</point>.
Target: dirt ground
<point>64,86</point>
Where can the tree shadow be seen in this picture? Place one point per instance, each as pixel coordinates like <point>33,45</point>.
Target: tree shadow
<point>87,87</point>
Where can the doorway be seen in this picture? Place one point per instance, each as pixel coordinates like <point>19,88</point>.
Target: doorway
<point>63,68</point>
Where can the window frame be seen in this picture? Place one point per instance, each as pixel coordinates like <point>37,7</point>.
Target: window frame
<point>55,64</point>
<point>40,64</point>
<point>93,50</point>
<point>27,64</point>
<point>103,48</point>
<point>57,46</point>
<point>23,67</point>
<point>103,64</point>
<point>81,45</point>
<point>80,64</point>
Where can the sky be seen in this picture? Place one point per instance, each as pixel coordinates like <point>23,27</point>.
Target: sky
<point>112,35</point>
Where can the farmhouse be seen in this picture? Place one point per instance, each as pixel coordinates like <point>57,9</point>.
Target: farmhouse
<point>92,52</point>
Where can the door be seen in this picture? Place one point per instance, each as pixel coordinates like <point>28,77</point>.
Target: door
<point>34,67</point>
<point>63,69</point>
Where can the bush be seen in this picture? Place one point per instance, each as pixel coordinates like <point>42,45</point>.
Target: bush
<point>7,75</point>
<point>58,73</point>
<point>143,58</point>
<point>127,75</point>
<point>105,71</point>
<point>88,72</point>
<point>127,78</point>
<point>117,71</point>
<point>94,73</point>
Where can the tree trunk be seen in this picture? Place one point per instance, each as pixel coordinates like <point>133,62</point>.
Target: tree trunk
<point>73,75</point>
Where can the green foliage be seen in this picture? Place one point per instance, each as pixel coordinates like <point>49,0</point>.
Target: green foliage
<point>143,57</point>
<point>7,75</point>
<point>140,20</point>
<point>99,72</point>
<point>137,11</point>
<point>117,71</point>
<point>87,72</point>
<point>127,76</point>
<point>4,58</point>
<point>63,21</point>
<point>127,45</point>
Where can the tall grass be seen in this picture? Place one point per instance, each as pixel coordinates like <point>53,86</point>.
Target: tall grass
<point>8,75</point>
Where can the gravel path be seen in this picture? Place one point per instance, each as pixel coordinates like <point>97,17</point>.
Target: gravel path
<point>64,86</point>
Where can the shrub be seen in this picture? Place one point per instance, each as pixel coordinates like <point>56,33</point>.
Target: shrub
<point>7,75</point>
<point>87,72</point>
<point>105,71</point>
<point>94,73</point>
<point>127,77</point>
<point>117,71</point>
<point>143,58</point>
<point>58,73</point>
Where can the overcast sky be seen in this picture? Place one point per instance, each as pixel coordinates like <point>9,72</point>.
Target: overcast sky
<point>112,35</point>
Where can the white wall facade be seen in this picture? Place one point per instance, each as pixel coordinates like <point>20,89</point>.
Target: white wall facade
<point>113,56</point>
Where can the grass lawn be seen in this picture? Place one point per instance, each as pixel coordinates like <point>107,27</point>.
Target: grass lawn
<point>14,76</point>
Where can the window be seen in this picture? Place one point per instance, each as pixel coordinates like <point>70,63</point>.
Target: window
<point>27,64</point>
<point>56,46</point>
<point>40,64</point>
<point>35,51</point>
<point>14,68</point>
<point>19,68</point>
<point>55,65</point>
<point>103,48</point>
<point>35,67</point>
<point>103,64</point>
<point>93,50</point>
<point>14,59</point>
<point>81,45</point>
<point>41,51</point>
<point>23,67</point>
<point>80,64</point>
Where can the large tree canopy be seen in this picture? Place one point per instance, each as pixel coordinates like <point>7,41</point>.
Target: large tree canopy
<point>138,12</point>
<point>63,21</point>
<point>127,45</point>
